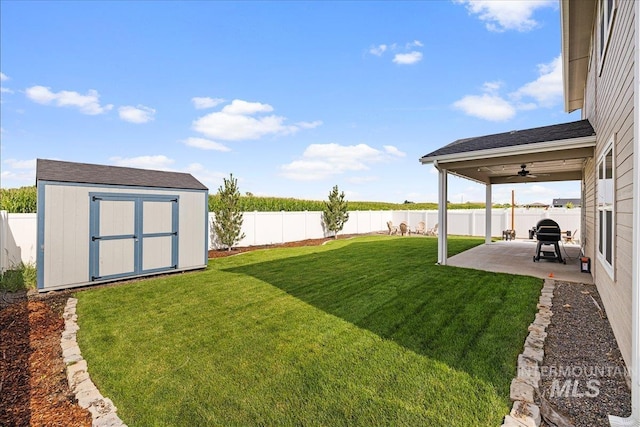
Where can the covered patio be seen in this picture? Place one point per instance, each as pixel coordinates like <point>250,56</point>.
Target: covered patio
<point>516,257</point>
<point>544,154</point>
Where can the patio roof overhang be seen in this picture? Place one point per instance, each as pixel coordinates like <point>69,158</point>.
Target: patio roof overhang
<point>577,18</point>
<point>550,153</point>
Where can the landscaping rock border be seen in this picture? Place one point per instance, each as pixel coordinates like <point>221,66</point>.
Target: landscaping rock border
<point>102,409</point>
<point>525,385</point>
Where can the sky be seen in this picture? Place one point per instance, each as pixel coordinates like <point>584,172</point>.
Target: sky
<point>291,97</point>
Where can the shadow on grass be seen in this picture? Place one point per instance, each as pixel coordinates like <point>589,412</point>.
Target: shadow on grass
<point>471,320</point>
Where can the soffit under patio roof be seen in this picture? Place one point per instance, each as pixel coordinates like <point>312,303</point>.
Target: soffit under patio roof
<point>550,153</point>
<point>577,18</point>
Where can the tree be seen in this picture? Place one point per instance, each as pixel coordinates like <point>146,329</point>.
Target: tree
<point>335,212</point>
<point>227,225</point>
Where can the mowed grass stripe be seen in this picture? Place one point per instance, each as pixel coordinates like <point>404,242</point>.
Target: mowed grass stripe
<point>361,332</point>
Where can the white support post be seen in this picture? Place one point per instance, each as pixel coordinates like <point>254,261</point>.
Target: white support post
<point>4,230</point>
<point>487,215</point>
<point>442,216</point>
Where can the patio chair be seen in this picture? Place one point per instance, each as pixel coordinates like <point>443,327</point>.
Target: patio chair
<point>571,238</point>
<point>421,228</point>
<point>432,231</point>
<point>404,229</point>
<point>392,228</point>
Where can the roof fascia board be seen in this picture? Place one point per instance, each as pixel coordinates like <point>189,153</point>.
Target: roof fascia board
<point>519,158</point>
<point>537,147</point>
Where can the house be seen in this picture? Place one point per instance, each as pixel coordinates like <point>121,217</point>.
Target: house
<point>536,205</point>
<point>601,66</point>
<point>562,203</point>
<point>99,223</point>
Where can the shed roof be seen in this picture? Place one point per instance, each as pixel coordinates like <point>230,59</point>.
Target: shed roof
<point>56,170</point>
<point>561,132</point>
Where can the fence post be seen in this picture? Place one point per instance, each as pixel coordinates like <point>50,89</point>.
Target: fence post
<point>473,223</point>
<point>4,228</point>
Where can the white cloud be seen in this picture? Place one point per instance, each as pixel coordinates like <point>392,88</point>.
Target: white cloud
<point>241,120</point>
<point>546,91</point>
<point>406,55</point>
<point>241,107</point>
<point>547,88</point>
<point>491,87</point>
<point>87,104</point>
<point>309,125</point>
<point>486,106</point>
<point>378,50</point>
<point>320,161</point>
<point>18,173</point>
<point>159,162</point>
<point>205,144</point>
<point>4,78</point>
<point>205,102</point>
<point>503,15</point>
<point>407,58</point>
<point>21,164</point>
<point>390,149</point>
<point>138,114</point>
<point>211,179</point>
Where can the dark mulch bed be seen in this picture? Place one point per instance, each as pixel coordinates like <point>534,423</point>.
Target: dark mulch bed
<point>582,356</point>
<point>33,383</point>
<point>219,253</point>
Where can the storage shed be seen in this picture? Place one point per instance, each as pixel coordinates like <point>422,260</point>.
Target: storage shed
<point>100,223</point>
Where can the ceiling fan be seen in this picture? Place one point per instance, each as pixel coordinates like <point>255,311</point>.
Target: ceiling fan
<point>524,173</point>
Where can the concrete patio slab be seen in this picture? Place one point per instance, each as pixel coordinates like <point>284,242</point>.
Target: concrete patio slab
<point>516,257</point>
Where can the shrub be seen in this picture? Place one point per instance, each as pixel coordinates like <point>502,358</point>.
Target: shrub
<point>227,225</point>
<point>21,278</point>
<point>335,212</point>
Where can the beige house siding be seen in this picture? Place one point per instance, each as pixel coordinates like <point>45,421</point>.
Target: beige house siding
<point>609,108</point>
<point>589,208</point>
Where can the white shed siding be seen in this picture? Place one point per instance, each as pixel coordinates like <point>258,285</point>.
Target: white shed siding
<point>609,108</point>
<point>66,235</point>
<point>66,231</point>
<point>192,239</point>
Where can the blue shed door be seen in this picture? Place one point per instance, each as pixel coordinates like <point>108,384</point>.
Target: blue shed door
<point>132,235</point>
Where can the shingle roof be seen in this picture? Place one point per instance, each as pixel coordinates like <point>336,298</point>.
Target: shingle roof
<point>55,170</point>
<point>559,132</point>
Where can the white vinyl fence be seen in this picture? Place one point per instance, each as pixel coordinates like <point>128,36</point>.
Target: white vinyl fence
<point>18,232</point>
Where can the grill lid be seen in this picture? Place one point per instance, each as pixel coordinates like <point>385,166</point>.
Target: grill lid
<point>547,230</point>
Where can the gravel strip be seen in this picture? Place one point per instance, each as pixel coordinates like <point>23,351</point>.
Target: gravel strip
<point>583,374</point>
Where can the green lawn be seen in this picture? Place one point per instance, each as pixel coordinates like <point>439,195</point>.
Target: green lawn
<point>367,331</point>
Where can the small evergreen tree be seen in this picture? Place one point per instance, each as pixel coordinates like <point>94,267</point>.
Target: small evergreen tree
<point>335,212</point>
<point>227,225</point>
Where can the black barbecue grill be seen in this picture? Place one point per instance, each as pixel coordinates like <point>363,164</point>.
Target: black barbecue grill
<point>548,233</point>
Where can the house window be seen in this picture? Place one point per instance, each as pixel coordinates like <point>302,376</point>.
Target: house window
<point>606,12</point>
<point>606,208</point>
